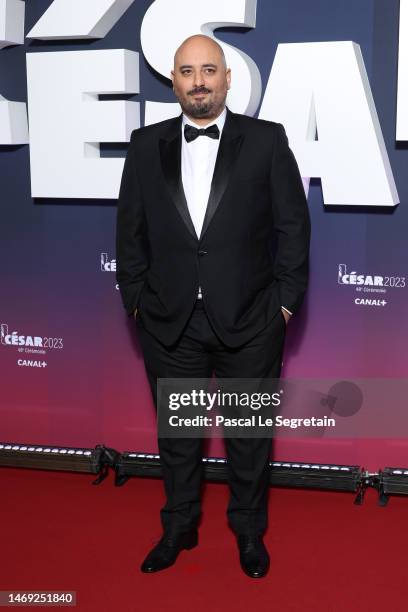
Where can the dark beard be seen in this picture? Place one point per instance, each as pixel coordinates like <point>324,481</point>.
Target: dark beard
<point>199,110</point>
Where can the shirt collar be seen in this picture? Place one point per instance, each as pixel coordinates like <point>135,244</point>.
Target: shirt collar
<point>220,120</point>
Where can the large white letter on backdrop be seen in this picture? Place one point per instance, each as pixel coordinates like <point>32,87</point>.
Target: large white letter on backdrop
<point>13,115</point>
<point>164,29</point>
<point>65,19</point>
<point>67,121</point>
<point>321,93</point>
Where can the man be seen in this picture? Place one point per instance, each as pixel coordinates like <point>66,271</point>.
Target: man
<point>203,197</point>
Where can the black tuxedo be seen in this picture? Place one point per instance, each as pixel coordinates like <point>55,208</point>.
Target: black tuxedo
<point>252,255</point>
<point>251,259</point>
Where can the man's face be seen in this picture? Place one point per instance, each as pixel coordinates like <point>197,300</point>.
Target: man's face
<point>200,79</point>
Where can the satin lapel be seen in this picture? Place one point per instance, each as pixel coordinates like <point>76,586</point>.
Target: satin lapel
<point>228,150</point>
<point>170,156</point>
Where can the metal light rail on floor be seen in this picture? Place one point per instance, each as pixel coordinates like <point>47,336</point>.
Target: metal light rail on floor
<point>293,474</point>
<point>99,459</point>
<point>283,474</point>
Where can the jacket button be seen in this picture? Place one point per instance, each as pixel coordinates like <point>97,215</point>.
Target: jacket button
<point>201,253</point>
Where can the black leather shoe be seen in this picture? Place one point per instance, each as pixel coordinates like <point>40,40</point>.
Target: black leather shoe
<point>253,555</point>
<point>166,551</point>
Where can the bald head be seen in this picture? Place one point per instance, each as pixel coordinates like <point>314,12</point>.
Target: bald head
<point>201,78</point>
<point>199,43</point>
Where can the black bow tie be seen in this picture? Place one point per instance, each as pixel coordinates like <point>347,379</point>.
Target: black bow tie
<point>191,132</point>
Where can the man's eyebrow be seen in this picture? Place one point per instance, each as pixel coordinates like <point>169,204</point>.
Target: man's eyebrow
<point>203,66</point>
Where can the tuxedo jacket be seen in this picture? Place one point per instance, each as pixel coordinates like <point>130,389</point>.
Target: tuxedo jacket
<point>252,254</point>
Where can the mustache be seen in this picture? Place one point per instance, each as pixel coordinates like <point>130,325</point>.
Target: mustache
<point>198,90</point>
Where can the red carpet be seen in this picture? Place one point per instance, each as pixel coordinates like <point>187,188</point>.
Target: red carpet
<point>60,532</point>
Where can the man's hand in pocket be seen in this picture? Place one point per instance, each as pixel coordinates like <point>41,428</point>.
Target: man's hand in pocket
<point>286,315</point>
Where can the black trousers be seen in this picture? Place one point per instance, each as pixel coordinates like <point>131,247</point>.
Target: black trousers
<point>198,354</point>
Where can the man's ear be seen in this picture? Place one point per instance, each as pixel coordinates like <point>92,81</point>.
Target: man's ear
<point>172,77</point>
<point>228,75</point>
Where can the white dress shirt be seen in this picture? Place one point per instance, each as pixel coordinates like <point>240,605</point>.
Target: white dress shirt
<point>197,167</point>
